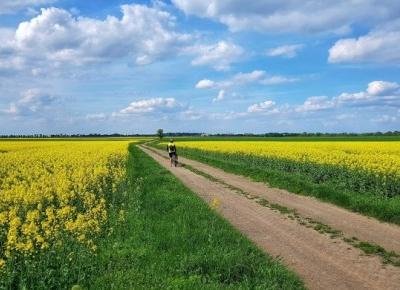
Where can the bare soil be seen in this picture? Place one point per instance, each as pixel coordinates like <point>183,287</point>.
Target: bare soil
<point>322,262</point>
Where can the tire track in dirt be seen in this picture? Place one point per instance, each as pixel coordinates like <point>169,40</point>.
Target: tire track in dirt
<point>322,262</point>
<point>350,223</point>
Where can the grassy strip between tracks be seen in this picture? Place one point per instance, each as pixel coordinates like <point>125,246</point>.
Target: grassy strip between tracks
<point>173,240</point>
<point>380,207</point>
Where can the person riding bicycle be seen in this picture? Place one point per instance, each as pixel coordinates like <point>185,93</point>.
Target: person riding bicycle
<point>171,148</point>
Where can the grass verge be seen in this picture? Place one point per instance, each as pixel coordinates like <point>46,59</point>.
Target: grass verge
<point>173,240</point>
<point>381,207</point>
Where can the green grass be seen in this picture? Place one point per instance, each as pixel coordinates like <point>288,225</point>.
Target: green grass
<point>173,240</point>
<point>345,192</point>
<point>373,249</point>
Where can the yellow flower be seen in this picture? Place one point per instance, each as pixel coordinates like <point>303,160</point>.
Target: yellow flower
<point>51,189</point>
<point>215,203</point>
<point>379,158</point>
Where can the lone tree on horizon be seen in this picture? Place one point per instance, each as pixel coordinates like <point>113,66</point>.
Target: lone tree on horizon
<point>160,133</point>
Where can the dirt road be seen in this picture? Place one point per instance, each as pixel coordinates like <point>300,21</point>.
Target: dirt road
<point>321,261</point>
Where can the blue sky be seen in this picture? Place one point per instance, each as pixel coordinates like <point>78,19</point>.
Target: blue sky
<point>199,66</point>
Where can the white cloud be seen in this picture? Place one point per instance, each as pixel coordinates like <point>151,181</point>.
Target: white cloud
<point>192,115</point>
<point>220,96</point>
<point>288,51</point>
<point>219,56</point>
<point>32,102</point>
<point>13,6</point>
<point>255,77</point>
<point>244,78</point>
<point>376,107</point>
<point>292,16</point>
<point>367,99</point>
<point>205,84</point>
<point>316,103</point>
<point>267,106</point>
<point>143,34</point>
<point>227,115</point>
<point>151,106</point>
<point>379,88</point>
<point>377,94</point>
<point>378,104</point>
<point>276,80</point>
<point>378,46</point>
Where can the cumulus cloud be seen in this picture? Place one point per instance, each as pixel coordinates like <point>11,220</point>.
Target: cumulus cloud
<point>153,105</point>
<point>316,103</point>
<point>255,77</point>
<point>267,106</point>
<point>13,6</point>
<point>219,56</point>
<point>378,104</point>
<point>220,96</point>
<point>288,51</point>
<point>379,88</point>
<point>32,102</point>
<point>205,84</point>
<point>292,16</point>
<point>377,94</point>
<point>378,46</point>
<point>245,78</point>
<point>143,34</point>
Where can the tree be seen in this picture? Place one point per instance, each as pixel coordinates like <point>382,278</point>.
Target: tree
<point>160,133</point>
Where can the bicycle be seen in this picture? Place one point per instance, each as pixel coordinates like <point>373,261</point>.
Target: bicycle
<point>174,159</point>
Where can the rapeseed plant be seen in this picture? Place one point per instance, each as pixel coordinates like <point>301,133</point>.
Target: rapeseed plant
<point>50,190</point>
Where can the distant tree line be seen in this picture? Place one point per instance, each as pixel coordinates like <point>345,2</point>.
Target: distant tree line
<point>74,135</point>
<point>317,134</point>
<point>183,134</point>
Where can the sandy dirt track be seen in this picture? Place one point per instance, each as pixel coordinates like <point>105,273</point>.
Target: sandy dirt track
<point>350,223</point>
<point>322,262</point>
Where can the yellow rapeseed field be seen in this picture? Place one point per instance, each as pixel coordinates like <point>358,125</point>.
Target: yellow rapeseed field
<point>50,190</point>
<point>378,158</point>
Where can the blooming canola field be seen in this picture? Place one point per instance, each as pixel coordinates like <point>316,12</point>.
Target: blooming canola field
<point>54,194</point>
<point>373,166</point>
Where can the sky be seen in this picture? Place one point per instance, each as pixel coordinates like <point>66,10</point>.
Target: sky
<point>212,66</point>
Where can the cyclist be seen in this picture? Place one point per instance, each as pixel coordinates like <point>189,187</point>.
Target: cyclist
<point>171,148</point>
